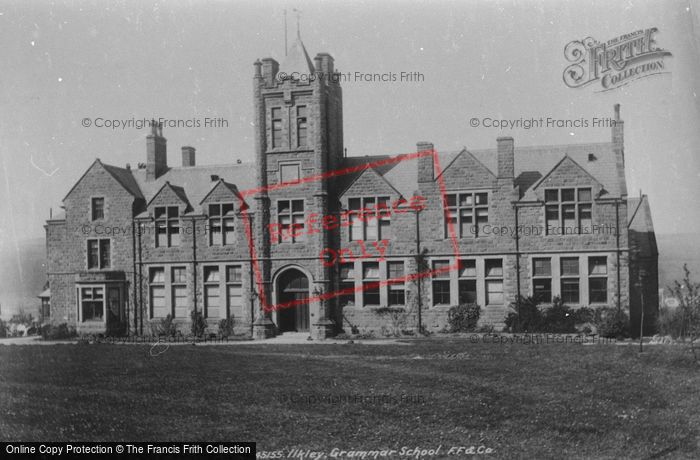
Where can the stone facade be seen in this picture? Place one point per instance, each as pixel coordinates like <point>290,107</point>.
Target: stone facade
<point>136,245</point>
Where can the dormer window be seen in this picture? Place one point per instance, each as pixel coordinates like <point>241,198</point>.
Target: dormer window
<point>97,208</point>
<point>221,224</point>
<point>167,222</point>
<point>568,211</point>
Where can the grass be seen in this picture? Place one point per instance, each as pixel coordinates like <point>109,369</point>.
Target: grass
<point>548,401</point>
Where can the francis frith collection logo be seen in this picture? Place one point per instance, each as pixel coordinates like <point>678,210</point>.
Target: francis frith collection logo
<point>616,62</point>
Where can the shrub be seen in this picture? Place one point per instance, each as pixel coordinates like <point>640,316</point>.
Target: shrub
<point>528,319</point>
<point>166,327</point>
<point>584,315</point>
<point>463,317</point>
<point>199,324</point>
<point>397,316</point>
<point>226,327</point>
<point>22,318</point>
<point>671,322</point>
<point>612,323</point>
<point>60,332</point>
<point>558,318</point>
<point>3,329</point>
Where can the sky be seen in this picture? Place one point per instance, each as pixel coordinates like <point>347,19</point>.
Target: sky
<point>63,62</point>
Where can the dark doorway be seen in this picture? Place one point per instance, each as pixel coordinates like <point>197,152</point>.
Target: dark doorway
<point>293,286</point>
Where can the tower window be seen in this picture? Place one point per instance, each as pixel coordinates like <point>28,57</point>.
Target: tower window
<point>290,215</point>
<point>276,115</point>
<point>302,131</point>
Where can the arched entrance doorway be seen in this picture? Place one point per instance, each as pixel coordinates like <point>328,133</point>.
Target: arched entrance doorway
<point>293,286</point>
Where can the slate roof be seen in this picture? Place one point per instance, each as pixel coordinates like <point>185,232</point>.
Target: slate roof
<point>297,60</point>
<point>531,165</point>
<point>125,178</point>
<point>194,183</point>
<point>641,226</point>
<point>197,180</point>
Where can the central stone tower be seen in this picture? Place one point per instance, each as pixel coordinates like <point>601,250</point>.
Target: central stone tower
<point>298,134</point>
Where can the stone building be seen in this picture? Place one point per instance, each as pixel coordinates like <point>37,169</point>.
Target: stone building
<point>303,221</point>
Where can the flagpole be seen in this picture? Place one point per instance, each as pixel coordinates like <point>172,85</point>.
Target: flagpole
<point>285,31</point>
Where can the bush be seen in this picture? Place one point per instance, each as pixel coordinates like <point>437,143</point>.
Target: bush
<point>529,319</point>
<point>3,329</point>
<point>558,318</point>
<point>612,323</point>
<point>22,318</point>
<point>60,332</point>
<point>671,322</point>
<point>166,327</point>
<point>397,317</point>
<point>463,317</point>
<point>584,315</point>
<point>199,324</point>
<point>226,327</point>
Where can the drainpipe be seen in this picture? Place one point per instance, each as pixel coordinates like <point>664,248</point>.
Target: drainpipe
<point>617,245</point>
<point>252,282</point>
<point>517,263</point>
<point>135,285</point>
<point>140,315</point>
<point>194,264</point>
<point>419,279</point>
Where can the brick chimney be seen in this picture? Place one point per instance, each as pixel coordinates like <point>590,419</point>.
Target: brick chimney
<point>618,134</point>
<point>156,152</point>
<point>506,158</point>
<point>187,156</point>
<point>425,163</point>
<point>270,67</point>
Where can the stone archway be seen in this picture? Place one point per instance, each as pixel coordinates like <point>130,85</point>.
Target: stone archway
<point>292,286</point>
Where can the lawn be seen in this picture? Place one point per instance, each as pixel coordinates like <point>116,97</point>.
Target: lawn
<point>520,400</point>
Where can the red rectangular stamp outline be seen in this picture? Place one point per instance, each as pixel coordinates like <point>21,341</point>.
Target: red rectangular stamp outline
<point>267,307</point>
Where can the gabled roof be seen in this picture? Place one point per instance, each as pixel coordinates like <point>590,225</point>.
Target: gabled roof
<point>531,164</point>
<point>641,226</point>
<point>565,159</point>
<point>297,60</point>
<point>370,170</point>
<point>533,160</point>
<point>463,152</point>
<point>197,180</point>
<point>124,177</point>
<point>121,175</point>
<point>179,192</point>
<point>222,183</point>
